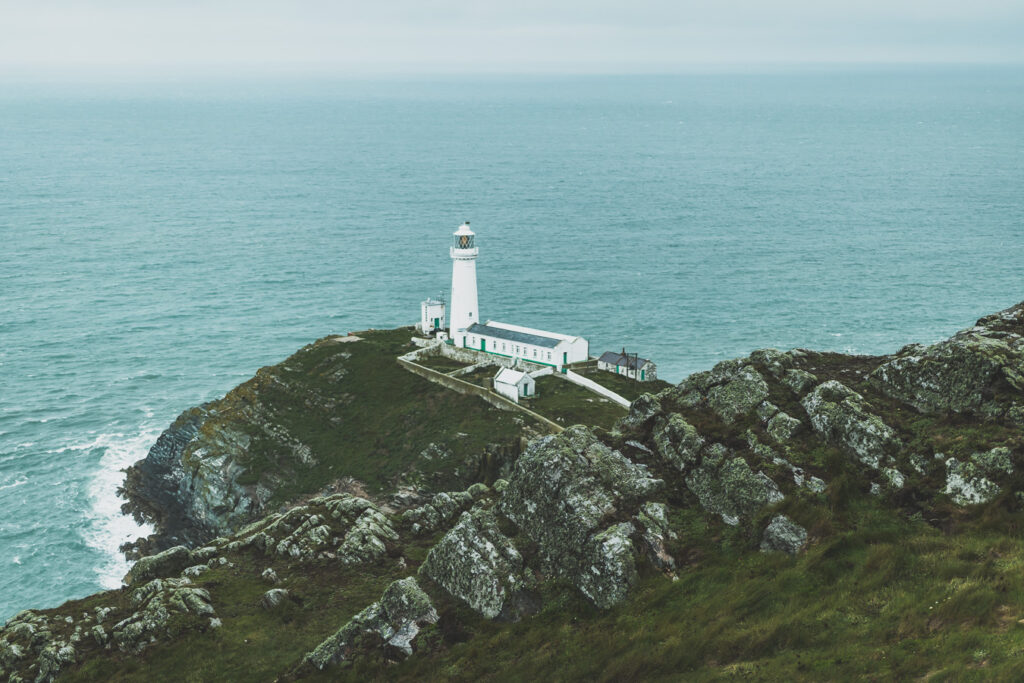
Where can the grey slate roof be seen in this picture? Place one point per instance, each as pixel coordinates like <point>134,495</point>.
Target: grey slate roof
<point>513,336</point>
<point>616,358</point>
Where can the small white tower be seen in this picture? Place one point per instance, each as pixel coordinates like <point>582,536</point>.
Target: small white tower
<point>431,316</point>
<point>463,311</point>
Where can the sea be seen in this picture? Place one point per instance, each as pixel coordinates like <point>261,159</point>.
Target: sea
<point>161,241</point>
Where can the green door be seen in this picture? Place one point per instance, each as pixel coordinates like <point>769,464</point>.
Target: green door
<point>642,374</point>
<point>483,344</point>
<point>437,323</point>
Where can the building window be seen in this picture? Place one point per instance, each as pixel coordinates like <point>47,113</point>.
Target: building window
<point>535,353</point>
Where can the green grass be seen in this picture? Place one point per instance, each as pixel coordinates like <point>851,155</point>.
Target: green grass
<point>884,599</point>
<point>568,404</point>
<point>440,363</point>
<point>624,386</point>
<point>361,414</point>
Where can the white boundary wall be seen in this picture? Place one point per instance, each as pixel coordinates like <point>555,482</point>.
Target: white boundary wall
<point>595,387</point>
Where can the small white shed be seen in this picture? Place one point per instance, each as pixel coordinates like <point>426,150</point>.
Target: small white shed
<point>514,384</point>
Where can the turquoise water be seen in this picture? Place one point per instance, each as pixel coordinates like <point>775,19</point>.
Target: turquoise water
<point>160,243</point>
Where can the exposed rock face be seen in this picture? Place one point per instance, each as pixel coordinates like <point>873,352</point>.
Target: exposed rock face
<point>799,381</point>
<point>677,441</point>
<point>732,388</point>
<point>782,427</point>
<point>167,563</point>
<point>652,520</point>
<point>970,482</point>
<point>391,623</point>
<point>840,416</point>
<point>726,485</point>
<point>564,494</point>
<point>961,373</point>
<point>273,598</point>
<point>219,465</point>
<point>442,508</point>
<point>783,534</point>
<point>160,606</point>
<point>477,563</point>
<point>341,526</point>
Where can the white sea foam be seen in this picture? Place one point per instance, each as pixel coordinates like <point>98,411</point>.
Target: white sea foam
<point>107,527</point>
<point>17,482</point>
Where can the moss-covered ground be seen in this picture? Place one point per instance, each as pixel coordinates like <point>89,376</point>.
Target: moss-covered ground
<point>884,598</point>
<point>568,404</point>
<point>361,414</point>
<point>622,385</point>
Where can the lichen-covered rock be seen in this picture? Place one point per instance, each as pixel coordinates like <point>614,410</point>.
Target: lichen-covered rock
<point>677,441</point>
<point>784,535</point>
<point>159,607</point>
<point>609,569</point>
<point>641,412</point>
<point>477,564</point>
<point>168,563</point>
<point>441,509</point>
<point>893,477</point>
<point>52,659</point>
<point>799,381</point>
<point>652,520</point>
<point>782,427</point>
<point>391,623</point>
<point>273,598</point>
<point>726,485</point>
<point>344,527</point>
<point>970,483</point>
<point>961,373</point>
<point>840,416</point>
<point>774,361</point>
<point>563,495</point>
<point>740,393</point>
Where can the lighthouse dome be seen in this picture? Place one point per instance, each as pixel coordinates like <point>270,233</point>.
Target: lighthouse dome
<point>464,237</point>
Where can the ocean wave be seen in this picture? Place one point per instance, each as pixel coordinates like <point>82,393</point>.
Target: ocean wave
<point>17,482</point>
<point>107,527</point>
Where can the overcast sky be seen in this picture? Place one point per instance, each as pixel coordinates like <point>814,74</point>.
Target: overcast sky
<point>374,36</point>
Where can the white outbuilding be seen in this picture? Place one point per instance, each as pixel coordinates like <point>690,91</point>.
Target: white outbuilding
<point>514,384</point>
<point>431,316</point>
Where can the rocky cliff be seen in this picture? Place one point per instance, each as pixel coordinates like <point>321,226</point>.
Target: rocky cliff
<point>338,414</point>
<point>793,515</point>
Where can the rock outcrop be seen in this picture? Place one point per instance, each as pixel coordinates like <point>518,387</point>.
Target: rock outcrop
<point>340,527</point>
<point>478,564</point>
<point>971,482</point>
<point>841,417</point>
<point>784,535</point>
<point>731,389</point>
<point>727,486</point>
<point>565,495</point>
<point>961,374</point>
<point>161,611</point>
<point>391,624</point>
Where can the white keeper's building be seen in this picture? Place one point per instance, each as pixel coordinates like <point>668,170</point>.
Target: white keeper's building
<point>501,339</point>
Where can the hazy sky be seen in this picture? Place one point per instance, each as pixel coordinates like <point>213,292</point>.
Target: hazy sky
<point>513,36</point>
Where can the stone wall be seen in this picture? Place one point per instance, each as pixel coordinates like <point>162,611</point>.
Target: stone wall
<point>469,389</point>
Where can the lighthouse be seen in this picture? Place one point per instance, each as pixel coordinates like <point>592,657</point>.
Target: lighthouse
<point>463,312</point>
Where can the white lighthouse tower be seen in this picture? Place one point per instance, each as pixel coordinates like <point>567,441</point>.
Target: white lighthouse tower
<point>463,311</point>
